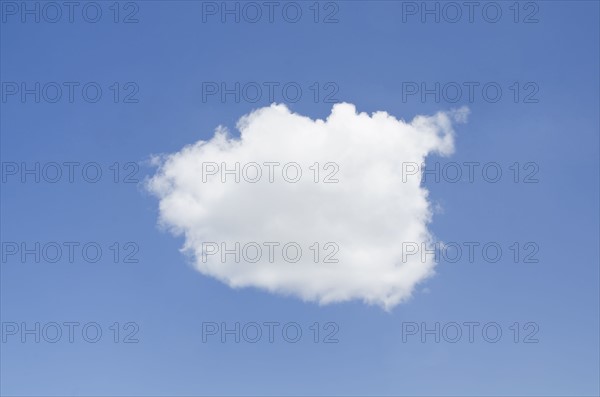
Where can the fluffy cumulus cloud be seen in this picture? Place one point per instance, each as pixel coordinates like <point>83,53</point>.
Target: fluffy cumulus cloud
<point>317,209</point>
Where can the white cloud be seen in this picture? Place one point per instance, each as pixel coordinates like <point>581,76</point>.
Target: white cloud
<point>367,214</point>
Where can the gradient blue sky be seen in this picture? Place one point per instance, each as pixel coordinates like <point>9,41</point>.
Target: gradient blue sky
<point>368,54</point>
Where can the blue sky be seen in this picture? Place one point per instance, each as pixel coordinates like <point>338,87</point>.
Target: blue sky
<point>369,57</point>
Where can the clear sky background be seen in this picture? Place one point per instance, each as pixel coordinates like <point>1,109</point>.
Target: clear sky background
<point>367,54</point>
